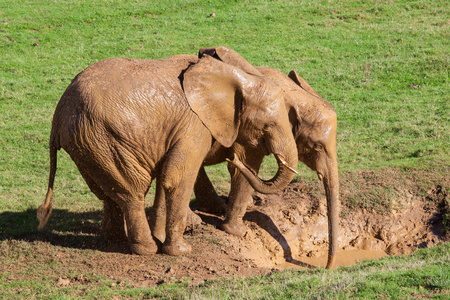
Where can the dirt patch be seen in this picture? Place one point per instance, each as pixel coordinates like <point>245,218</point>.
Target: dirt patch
<point>292,229</point>
<point>285,230</point>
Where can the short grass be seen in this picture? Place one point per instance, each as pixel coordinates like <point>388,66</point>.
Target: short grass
<point>363,57</point>
<point>382,64</point>
<point>424,274</point>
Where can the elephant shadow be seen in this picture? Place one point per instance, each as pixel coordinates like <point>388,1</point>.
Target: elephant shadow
<point>264,222</point>
<point>68,229</point>
<point>79,230</point>
<point>267,224</point>
<point>82,230</point>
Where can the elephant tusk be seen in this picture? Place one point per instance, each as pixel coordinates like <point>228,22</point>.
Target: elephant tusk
<point>286,165</point>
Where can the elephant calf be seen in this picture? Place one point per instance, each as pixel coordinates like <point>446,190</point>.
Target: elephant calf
<point>314,124</point>
<point>125,122</point>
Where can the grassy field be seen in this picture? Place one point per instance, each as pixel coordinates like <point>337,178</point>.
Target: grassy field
<point>384,66</point>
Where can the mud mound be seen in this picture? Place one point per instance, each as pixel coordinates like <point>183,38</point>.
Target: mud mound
<point>292,229</point>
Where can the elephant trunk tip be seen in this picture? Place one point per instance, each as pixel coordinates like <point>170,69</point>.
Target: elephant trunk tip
<point>235,161</point>
<point>331,262</point>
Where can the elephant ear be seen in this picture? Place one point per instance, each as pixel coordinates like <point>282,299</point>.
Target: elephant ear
<point>230,57</point>
<point>302,83</point>
<point>214,92</point>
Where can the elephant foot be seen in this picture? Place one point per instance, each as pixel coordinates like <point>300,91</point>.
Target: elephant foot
<point>177,248</point>
<point>236,228</point>
<point>144,249</point>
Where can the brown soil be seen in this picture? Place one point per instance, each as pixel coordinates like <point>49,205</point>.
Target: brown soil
<point>286,230</point>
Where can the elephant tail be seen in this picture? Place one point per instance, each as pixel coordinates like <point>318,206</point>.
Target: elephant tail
<point>45,210</point>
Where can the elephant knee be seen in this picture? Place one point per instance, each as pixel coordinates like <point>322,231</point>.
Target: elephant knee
<point>170,184</point>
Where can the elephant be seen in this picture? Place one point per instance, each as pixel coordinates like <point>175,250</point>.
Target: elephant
<point>314,125</point>
<point>125,122</point>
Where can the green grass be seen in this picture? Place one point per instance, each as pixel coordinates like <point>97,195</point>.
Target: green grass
<point>362,56</point>
<point>424,274</point>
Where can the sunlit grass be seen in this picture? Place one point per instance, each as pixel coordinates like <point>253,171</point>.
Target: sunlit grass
<point>382,65</point>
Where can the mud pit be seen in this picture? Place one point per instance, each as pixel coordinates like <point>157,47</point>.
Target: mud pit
<point>283,231</point>
<point>291,230</point>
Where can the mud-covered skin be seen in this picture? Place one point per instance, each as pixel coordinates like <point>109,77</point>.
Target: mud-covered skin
<point>313,122</point>
<point>125,122</point>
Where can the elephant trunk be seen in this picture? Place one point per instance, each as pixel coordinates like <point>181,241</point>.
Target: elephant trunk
<point>287,165</point>
<point>331,185</point>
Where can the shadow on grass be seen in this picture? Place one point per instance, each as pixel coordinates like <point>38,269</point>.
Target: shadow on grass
<point>79,230</point>
<point>82,230</point>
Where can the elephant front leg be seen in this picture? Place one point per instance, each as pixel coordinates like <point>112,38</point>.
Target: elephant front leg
<point>239,199</point>
<point>240,196</point>
<point>158,215</point>
<point>177,179</point>
<point>177,205</point>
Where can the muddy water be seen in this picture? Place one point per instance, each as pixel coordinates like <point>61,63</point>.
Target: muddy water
<point>344,258</point>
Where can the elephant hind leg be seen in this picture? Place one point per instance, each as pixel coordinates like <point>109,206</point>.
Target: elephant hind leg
<point>158,214</point>
<point>139,235</point>
<point>117,178</point>
<point>113,225</point>
<point>122,207</point>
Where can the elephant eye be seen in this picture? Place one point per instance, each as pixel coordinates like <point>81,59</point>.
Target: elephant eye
<point>318,147</point>
<point>267,127</point>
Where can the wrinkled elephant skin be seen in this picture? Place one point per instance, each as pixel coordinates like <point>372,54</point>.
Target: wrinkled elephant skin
<point>125,122</point>
<point>313,123</point>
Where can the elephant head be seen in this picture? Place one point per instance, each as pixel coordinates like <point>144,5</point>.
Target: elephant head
<point>241,106</point>
<point>313,122</point>
<point>316,141</point>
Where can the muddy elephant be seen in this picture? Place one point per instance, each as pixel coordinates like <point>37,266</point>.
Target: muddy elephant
<point>313,123</point>
<point>125,122</point>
